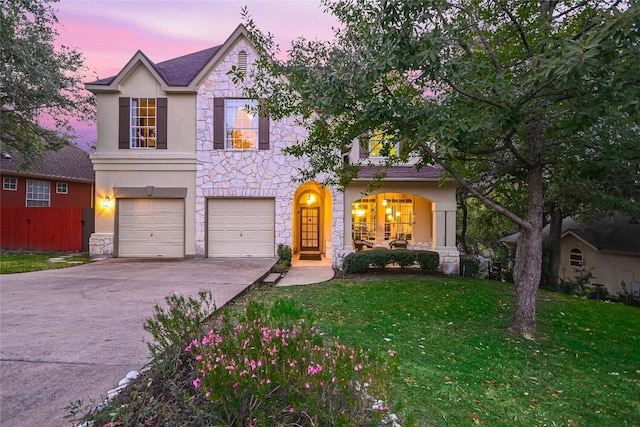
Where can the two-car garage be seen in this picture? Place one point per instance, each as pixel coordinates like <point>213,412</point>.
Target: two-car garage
<point>236,227</point>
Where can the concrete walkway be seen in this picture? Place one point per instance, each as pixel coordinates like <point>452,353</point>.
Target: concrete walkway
<point>307,272</point>
<point>74,333</point>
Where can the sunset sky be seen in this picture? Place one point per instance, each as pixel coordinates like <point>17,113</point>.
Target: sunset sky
<point>109,33</point>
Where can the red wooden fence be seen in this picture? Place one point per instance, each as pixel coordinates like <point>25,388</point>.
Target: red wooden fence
<point>52,229</point>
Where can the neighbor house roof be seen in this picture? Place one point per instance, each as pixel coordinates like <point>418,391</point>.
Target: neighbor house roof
<point>400,173</point>
<point>70,163</point>
<point>617,235</point>
<point>178,71</point>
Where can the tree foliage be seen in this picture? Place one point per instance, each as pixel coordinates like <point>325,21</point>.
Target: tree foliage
<point>538,96</point>
<point>41,86</point>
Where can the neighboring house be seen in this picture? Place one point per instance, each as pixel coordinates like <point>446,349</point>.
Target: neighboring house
<point>42,205</point>
<point>609,249</point>
<point>193,173</point>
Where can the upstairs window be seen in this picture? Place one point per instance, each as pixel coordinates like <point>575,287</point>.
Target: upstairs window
<point>236,126</point>
<point>62,188</point>
<point>240,124</point>
<point>37,193</point>
<point>142,123</point>
<point>10,183</point>
<point>575,258</point>
<point>381,146</point>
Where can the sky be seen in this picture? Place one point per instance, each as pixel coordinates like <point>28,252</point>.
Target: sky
<point>109,32</point>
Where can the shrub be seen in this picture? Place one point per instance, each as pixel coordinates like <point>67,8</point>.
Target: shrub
<point>429,261</point>
<point>284,255</point>
<point>469,266</point>
<point>360,262</point>
<point>174,326</point>
<point>271,368</point>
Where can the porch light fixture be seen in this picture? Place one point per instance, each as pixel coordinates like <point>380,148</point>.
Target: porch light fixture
<point>106,202</point>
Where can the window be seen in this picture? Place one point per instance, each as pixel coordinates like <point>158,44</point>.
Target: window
<point>398,218</point>
<point>62,188</point>
<point>237,127</point>
<point>37,193</point>
<point>388,216</point>
<point>142,123</point>
<point>240,124</point>
<point>363,212</point>
<point>575,258</point>
<point>381,146</point>
<point>10,183</point>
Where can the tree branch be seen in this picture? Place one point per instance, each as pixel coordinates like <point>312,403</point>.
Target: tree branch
<point>466,184</point>
<point>483,39</point>
<point>523,37</point>
<point>470,95</point>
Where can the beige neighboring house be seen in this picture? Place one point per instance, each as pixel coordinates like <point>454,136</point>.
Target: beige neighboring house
<point>609,249</point>
<point>183,169</point>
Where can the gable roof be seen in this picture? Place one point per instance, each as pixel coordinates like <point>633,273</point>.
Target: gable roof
<point>619,236</point>
<point>175,72</point>
<point>180,74</point>
<point>71,163</point>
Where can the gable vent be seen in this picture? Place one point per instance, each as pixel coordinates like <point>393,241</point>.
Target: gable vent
<point>242,61</point>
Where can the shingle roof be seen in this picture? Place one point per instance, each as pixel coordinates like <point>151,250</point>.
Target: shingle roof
<point>619,236</point>
<point>70,162</point>
<point>401,172</point>
<point>177,71</point>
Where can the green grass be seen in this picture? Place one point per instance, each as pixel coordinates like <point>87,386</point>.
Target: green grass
<point>458,365</point>
<point>22,262</point>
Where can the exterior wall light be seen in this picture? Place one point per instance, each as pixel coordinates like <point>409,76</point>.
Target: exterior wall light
<point>107,202</point>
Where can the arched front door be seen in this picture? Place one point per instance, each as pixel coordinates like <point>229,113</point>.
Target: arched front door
<point>310,221</point>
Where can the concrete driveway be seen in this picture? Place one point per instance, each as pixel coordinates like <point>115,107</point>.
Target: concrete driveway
<point>74,333</point>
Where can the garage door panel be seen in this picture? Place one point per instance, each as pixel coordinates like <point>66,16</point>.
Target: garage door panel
<point>151,228</point>
<point>241,227</point>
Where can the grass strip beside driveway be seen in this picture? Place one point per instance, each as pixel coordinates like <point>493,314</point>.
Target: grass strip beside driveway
<point>23,262</point>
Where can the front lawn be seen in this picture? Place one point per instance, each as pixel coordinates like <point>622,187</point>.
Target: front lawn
<point>458,365</point>
<point>22,262</point>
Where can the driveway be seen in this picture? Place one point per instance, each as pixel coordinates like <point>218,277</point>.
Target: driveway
<point>74,333</point>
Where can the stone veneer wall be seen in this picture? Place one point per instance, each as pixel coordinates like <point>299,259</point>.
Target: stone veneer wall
<point>250,173</point>
<point>100,245</point>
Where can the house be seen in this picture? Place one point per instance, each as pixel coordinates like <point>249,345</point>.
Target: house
<point>609,249</point>
<point>184,169</point>
<point>47,206</point>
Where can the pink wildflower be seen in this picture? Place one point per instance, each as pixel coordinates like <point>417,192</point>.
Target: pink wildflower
<point>196,383</point>
<point>357,367</point>
<point>307,385</point>
<point>392,352</point>
<point>236,385</point>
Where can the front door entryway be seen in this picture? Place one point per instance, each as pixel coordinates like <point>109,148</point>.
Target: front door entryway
<point>310,229</point>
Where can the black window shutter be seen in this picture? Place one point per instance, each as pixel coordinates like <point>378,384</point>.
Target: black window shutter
<point>124,124</point>
<point>263,133</point>
<point>218,123</point>
<point>161,123</point>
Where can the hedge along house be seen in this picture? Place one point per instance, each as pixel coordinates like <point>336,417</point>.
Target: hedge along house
<point>184,169</point>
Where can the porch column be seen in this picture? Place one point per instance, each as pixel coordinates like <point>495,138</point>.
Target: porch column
<point>444,229</point>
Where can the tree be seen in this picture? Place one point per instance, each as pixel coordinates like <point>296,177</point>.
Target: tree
<point>41,87</point>
<point>494,91</point>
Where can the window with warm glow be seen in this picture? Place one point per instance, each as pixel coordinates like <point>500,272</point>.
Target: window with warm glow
<point>398,218</point>
<point>381,146</point>
<point>363,214</point>
<point>143,123</point>
<point>240,124</point>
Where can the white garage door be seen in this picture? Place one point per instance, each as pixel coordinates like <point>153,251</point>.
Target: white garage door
<point>151,228</point>
<point>241,227</point>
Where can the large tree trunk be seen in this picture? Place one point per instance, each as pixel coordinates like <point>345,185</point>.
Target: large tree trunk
<point>528,264</point>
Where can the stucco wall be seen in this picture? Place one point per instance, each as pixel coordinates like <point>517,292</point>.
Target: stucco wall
<point>607,269</point>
